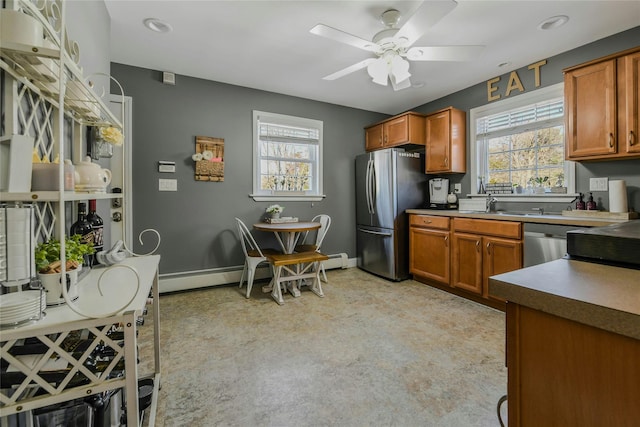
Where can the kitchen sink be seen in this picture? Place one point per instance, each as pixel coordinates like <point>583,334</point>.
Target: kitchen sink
<point>516,213</point>
<point>533,213</point>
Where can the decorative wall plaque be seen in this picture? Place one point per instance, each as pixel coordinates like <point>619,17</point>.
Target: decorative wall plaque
<point>209,159</point>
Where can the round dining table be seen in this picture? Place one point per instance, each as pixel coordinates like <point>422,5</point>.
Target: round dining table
<point>287,234</point>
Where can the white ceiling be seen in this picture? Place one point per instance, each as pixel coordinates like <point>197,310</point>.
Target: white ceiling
<point>267,45</point>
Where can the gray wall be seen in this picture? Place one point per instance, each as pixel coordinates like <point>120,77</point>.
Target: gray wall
<point>551,73</point>
<point>197,222</point>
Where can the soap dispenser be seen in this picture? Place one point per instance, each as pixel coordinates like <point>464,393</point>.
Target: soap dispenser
<point>580,203</point>
<point>591,205</point>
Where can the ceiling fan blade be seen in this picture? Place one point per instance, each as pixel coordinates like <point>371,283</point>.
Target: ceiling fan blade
<point>444,53</point>
<point>427,15</point>
<point>342,37</point>
<point>355,67</point>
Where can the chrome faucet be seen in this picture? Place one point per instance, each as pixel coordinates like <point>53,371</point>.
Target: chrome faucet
<point>490,200</point>
<point>539,210</point>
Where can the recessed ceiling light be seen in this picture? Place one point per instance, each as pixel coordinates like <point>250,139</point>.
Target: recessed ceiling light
<point>553,22</point>
<point>157,25</point>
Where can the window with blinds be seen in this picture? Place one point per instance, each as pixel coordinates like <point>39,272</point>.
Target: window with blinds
<point>523,143</point>
<point>287,157</point>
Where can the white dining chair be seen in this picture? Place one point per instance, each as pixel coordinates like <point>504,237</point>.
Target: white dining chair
<point>253,255</point>
<point>309,245</point>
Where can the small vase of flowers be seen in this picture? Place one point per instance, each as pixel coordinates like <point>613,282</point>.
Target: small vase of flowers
<point>274,211</point>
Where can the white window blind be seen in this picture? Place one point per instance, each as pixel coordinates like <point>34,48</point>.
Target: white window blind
<point>288,155</point>
<point>521,141</point>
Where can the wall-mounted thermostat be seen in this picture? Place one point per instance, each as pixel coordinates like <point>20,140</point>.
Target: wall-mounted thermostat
<point>164,166</point>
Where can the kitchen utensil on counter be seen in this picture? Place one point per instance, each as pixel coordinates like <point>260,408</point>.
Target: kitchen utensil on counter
<point>90,177</point>
<point>438,193</point>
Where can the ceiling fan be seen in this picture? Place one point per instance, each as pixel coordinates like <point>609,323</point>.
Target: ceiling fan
<point>392,45</point>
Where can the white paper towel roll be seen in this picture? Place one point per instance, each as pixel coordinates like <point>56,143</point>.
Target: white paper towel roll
<point>618,196</point>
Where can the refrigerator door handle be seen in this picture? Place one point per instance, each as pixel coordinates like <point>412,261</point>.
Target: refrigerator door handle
<point>370,191</point>
<point>372,187</point>
<point>367,183</point>
<point>374,232</point>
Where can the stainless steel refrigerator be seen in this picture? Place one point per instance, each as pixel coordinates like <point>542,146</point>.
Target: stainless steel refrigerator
<point>387,183</point>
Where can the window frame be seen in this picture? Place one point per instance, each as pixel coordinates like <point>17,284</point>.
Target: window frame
<point>260,195</point>
<point>540,95</point>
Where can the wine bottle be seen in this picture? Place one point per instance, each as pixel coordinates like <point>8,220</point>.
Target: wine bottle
<point>97,226</point>
<point>83,228</point>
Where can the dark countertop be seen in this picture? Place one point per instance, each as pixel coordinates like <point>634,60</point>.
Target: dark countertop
<point>542,219</point>
<point>598,295</point>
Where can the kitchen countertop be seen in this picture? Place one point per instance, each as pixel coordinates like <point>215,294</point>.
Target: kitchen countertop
<point>602,296</point>
<point>543,219</point>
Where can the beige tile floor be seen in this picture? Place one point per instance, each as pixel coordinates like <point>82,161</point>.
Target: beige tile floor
<point>370,353</point>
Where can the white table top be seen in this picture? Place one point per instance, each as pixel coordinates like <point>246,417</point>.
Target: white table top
<point>287,226</point>
<point>118,286</point>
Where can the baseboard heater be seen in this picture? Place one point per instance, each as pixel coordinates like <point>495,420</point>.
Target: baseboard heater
<point>173,282</point>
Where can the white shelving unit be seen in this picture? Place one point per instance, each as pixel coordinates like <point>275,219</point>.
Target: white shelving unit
<point>45,85</point>
<point>124,297</point>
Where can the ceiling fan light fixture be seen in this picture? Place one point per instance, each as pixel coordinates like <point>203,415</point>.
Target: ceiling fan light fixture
<point>399,69</point>
<point>157,25</point>
<point>378,71</point>
<point>553,22</point>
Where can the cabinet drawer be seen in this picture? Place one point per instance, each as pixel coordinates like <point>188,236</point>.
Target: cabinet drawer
<point>507,229</point>
<point>429,221</point>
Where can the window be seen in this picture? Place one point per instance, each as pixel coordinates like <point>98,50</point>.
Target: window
<point>521,141</point>
<point>287,157</point>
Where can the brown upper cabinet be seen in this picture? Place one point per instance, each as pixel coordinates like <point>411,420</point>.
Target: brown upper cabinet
<point>407,128</point>
<point>602,116</point>
<point>446,141</point>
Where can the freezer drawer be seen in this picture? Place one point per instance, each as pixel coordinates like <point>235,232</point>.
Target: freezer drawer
<point>376,252</point>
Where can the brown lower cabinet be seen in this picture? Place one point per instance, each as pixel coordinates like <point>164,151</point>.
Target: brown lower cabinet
<point>430,247</point>
<point>460,254</point>
<point>565,373</point>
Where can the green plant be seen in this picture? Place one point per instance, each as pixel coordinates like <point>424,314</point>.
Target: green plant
<point>539,180</point>
<point>274,209</point>
<point>47,254</point>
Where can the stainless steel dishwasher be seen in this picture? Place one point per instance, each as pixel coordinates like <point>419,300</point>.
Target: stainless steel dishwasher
<point>545,242</point>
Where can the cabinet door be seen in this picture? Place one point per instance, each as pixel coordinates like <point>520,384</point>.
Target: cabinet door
<point>438,139</point>
<point>590,100</point>
<point>429,252</point>
<point>500,256</point>
<point>467,262</point>
<point>628,99</point>
<point>373,137</point>
<point>396,131</point>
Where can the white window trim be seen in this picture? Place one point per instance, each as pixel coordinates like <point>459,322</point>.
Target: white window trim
<point>278,196</point>
<point>539,95</point>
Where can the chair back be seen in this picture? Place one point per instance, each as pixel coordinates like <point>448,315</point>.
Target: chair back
<point>325,223</point>
<point>246,239</point>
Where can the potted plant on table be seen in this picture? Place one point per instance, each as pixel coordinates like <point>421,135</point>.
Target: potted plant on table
<point>49,266</point>
<point>274,211</point>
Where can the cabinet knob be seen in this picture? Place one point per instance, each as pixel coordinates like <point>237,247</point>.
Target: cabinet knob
<point>489,248</point>
<point>478,246</point>
<point>611,140</point>
<point>632,140</point>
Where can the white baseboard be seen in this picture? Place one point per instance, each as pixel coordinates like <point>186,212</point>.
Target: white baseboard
<point>224,276</point>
